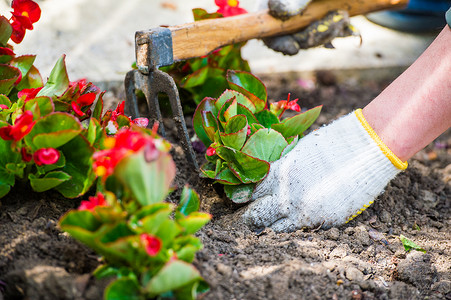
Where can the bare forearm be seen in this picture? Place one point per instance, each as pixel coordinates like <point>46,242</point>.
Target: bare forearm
<point>416,107</point>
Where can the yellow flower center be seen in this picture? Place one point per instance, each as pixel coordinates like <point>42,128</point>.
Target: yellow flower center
<point>100,171</point>
<point>25,14</point>
<point>109,142</point>
<point>232,3</point>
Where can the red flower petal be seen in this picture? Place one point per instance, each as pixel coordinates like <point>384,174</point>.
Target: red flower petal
<point>25,155</point>
<point>18,32</point>
<point>141,122</point>
<point>93,202</point>
<point>27,8</point>
<point>86,99</point>
<point>152,244</point>
<point>77,109</point>
<point>3,106</point>
<point>46,156</point>
<point>5,133</point>
<point>23,125</point>
<point>29,93</point>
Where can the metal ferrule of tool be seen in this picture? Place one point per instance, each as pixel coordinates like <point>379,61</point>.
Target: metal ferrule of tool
<point>163,46</point>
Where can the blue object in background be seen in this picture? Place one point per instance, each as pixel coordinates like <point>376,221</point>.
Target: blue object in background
<point>418,16</point>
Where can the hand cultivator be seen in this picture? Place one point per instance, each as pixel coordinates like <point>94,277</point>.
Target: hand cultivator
<point>165,45</point>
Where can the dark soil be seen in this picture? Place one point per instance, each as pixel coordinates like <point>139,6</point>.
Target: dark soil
<point>363,259</point>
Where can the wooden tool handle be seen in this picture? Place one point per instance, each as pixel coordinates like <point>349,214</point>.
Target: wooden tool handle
<point>200,38</point>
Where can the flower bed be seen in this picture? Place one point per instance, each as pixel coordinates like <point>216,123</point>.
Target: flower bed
<point>364,259</point>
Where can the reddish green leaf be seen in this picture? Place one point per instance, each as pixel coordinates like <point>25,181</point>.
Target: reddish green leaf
<point>189,201</point>
<point>174,275</point>
<point>210,124</point>
<point>265,144</point>
<point>195,79</point>
<point>58,81</point>
<point>205,105</point>
<point>267,118</point>
<point>49,181</point>
<point>250,86</point>
<point>97,113</point>
<point>44,105</point>
<point>5,31</point>
<point>227,177</point>
<point>194,222</point>
<point>298,124</point>
<point>237,126</point>
<point>33,79</point>
<point>9,75</point>
<point>240,98</point>
<point>247,168</point>
<point>149,181</point>
<point>23,63</point>
<point>202,14</point>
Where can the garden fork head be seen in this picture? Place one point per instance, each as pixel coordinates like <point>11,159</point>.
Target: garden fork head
<point>151,81</point>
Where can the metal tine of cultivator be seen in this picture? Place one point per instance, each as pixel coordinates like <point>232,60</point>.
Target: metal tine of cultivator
<point>151,81</point>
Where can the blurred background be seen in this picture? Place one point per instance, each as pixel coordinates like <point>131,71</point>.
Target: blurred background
<point>98,38</point>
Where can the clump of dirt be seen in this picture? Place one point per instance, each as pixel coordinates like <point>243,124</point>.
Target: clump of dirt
<point>363,259</point>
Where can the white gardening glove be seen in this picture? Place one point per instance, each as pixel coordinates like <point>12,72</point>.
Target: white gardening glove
<point>322,32</point>
<point>329,178</point>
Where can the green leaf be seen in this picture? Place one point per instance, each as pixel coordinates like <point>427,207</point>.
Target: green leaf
<point>245,167</point>
<point>195,79</point>
<point>149,181</point>
<point>265,144</point>
<point>239,193</point>
<point>5,31</point>
<point>189,201</point>
<point>123,289</point>
<point>240,98</point>
<point>33,79</point>
<point>49,181</point>
<point>208,104</point>
<point>227,177</point>
<point>167,231</point>
<point>409,245</point>
<point>248,85</point>
<point>202,14</point>
<point>23,63</point>
<point>53,130</point>
<point>152,223</point>
<point>194,221</point>
<point>174,275</point>
<point>290,146</point>
<point>44,104</point>
<point>210,124</point>
<point>267,118</point>
<point>78,154</point>
<point>8,77</point>
<point>83,219</point>
<point>229,110</point>
<point>5,100</point>
<point>4,188</point>
<point>235,132</point>
<point>298,124</point>
<point>242,110</point>
<point>97,113</point>
<point>58,81</point>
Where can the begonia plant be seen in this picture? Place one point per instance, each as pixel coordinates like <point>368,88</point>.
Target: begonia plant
<point>243,135</point>
<point>42,137</point>
<point>147,244</point>
<point>200,77</point>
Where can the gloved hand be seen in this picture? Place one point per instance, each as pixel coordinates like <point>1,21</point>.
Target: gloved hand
<point>329,178</point>
<point>322,32</point>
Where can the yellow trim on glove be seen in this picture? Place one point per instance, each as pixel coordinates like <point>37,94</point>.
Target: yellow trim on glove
<point>388,153</point>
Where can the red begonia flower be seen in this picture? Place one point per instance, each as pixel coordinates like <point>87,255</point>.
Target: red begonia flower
<point>18,32</point>
<point>151,243</point>
<point>211,151</point>
<point>86,99</point>
<point>229,8</point>
<point>46,156</point>
<point>23,125</point>
<point>6,51</point>
<point>3,106</point>
<point>283,105</point>
<point>123,144</point>
<point>25,155</point>
<point>119,111</point>
<point>29,93</point>
<point>93,202</point>
<point>26,12</point>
